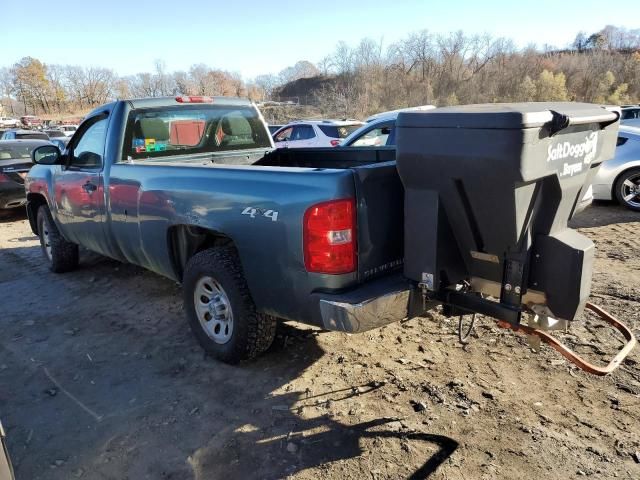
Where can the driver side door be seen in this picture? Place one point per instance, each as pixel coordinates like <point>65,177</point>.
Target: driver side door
<point>79,187</point>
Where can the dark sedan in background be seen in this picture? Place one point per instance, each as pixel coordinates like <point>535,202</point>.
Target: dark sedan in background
<point>24,135</point>
<point>15,162</point>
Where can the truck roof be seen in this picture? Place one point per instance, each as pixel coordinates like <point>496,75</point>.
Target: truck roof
<point>154,102</point>
<point>168,101</point>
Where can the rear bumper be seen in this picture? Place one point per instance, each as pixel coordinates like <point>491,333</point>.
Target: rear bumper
<point>12,196</point>
<point>372,305</point>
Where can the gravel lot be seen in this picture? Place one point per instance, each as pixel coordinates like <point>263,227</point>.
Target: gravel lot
<point>101,378</point>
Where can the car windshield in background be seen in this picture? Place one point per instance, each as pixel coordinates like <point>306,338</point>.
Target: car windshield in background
<point>341,131</point>
<point>15,152</point>
<point>630,113</point>
<point>32,136</point>
<point>159,132</point>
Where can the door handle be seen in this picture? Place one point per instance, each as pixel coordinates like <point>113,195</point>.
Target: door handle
<point>89,187</point>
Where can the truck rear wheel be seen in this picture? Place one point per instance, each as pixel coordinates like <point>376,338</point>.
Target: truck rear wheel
<point>62,255</point>
<point>220,310</point>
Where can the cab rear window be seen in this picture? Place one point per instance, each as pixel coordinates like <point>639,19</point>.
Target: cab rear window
<point>166,131</point>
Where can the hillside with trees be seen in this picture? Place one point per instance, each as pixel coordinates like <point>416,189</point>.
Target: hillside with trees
<point>355,81</point>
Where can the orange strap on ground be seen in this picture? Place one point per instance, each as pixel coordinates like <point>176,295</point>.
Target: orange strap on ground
<point>572,356</point>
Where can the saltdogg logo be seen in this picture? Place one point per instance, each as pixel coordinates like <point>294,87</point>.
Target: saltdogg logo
<point>586,149</point>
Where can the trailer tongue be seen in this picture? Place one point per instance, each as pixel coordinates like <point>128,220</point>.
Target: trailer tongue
<point>489,190</point>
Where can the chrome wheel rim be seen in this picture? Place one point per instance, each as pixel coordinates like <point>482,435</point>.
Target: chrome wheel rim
<point>213,309</point>
<point>46,241</point>
<point>630,190</point>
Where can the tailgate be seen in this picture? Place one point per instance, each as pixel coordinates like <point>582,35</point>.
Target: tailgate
<point>380,197</point>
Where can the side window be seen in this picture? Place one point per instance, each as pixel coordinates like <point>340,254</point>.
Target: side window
<point>375,137</point>
<point>308,132</point>
<point>284,135</point>
<point>89,149</point>
<point>303,132</point>
<point>621,141</point>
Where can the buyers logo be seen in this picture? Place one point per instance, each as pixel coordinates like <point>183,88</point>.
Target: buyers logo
<point>586,149</point>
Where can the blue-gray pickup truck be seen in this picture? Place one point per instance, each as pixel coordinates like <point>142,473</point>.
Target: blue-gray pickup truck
<point>470,211</point>
<point>192,188</point>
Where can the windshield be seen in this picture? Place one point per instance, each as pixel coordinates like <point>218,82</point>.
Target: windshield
<point>341,131</point>
<point>165,131</point>
<point>15,152</point>
<point>32,136</point>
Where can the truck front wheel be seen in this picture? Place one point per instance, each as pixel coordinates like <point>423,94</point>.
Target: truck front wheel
<point>220,310</point>
<point>62,255</point>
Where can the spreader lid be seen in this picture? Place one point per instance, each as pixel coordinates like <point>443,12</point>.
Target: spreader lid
<point>509,115</point>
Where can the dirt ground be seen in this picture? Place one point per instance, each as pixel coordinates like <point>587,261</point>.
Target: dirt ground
<point>101,378</point>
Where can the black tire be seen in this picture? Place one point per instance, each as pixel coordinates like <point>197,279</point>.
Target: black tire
<point>63,256</point>
<point>252,332</point>
<point>623,190</point>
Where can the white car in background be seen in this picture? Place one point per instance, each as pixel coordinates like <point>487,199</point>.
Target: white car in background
<point>7,122</point>
<point>379,129</point>
<point>68,130</point>
<point>619,178</point>
<point>314,133</point>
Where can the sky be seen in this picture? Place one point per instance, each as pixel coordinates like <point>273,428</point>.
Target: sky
<point>254,37</point>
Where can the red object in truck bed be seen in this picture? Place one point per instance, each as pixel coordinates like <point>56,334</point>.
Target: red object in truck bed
<point>186,132</point>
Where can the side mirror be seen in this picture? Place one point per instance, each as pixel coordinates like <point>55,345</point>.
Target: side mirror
<point>46,155</point>
<point>385,130</point>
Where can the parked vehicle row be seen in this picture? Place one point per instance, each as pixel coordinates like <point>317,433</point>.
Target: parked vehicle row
<point>17,134</point>
<point>15,161</point>
<point>618,179</point>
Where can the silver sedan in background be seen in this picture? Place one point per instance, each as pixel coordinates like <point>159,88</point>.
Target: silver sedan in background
<point>619,178</point>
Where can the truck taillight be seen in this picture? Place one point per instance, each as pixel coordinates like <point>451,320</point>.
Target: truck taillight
<point>330,237</point>
<point>335,143</point>
<point>193,99</point>
<point>4,178</point>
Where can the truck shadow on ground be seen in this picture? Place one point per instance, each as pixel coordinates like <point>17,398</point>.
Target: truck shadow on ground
<point>108,382</point>
<point>280,440</point>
